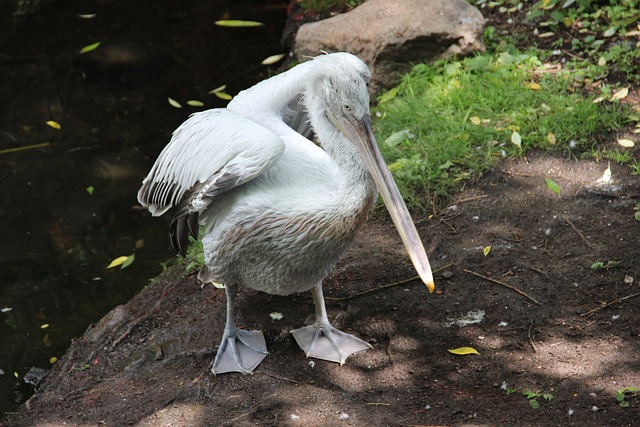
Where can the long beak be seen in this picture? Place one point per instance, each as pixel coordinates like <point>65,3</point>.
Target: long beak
<point>360,132</point>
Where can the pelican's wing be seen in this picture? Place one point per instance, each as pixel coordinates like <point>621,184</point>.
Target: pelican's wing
<point>209,154</point>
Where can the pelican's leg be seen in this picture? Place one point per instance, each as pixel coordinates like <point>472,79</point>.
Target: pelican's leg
<point>323,341</point>
<point>239,351</point>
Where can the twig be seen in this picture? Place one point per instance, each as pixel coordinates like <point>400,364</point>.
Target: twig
<point>590,312</point>
<point>380,288</point>
<point>538,270</point>
<point>250,411</point>
<point>472,199</point>
<point>512,173</point>
<point>279,378</point>
<point>27,147</point>
<point>530,340</point>
<point>580,234</point>
<point>524,294</point>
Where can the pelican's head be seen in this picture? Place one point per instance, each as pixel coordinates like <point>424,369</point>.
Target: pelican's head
<point>339,92</point>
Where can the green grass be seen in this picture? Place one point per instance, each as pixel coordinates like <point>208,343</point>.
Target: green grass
<point>451,121</point>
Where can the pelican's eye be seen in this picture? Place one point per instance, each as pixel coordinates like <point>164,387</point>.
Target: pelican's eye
<point>346,107</point>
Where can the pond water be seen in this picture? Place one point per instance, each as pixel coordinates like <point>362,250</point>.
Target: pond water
<point>69,207</point>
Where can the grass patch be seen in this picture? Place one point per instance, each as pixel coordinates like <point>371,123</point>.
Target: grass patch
<point>449,122</point>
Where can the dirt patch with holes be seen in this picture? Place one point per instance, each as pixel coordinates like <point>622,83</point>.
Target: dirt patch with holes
<point>557,337</point>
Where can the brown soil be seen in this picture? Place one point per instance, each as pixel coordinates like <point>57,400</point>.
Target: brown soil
<point>569,331</point>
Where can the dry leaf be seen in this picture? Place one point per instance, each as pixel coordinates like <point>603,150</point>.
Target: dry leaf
<point>238,23</point>
<point>44,326</point>
<point>275,315</point>
<point>195,103</point>
<point>486,250</point>
<point>475,120</point>
<point>621,94</point>
<point>516,139</point>
<point>534,86</point>
<point>54,124</point>
<point>551,138</point>
<point>270,60</point>
<point>223,95</point>
<point>218,89</point>
<point>174,103</point>
<point>118,261</point>
<point>626,143</point>
<point>463,351</point>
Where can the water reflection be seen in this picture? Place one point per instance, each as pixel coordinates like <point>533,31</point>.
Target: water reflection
<point>68,209</point>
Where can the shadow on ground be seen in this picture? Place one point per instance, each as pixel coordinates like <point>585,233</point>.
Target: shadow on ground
<point>147,362</point>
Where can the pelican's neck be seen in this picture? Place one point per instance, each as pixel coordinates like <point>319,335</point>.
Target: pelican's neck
<point>355,182</point>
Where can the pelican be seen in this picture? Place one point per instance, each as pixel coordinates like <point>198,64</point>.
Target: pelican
<point>277,209</point>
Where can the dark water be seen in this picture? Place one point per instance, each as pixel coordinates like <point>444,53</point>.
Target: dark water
<point>68,209</point>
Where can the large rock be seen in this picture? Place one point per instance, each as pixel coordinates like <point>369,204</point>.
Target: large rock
<point>390,35</point>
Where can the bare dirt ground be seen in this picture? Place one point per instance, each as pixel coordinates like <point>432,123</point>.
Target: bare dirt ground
<point>560,328</point>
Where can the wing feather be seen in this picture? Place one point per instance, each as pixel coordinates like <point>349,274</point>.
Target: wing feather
<point>209,154</point>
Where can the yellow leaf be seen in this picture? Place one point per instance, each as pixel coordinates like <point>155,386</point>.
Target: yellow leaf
<point>238,23</point>
<point>44,326</point>
<point>486,250</point>
<point>174,103</point>
<point>516,139</point>
<point>551,138</point>
<point>534,86</point>
<point>54,124</point>
<point>223,95</point>
<point>90,47</point>
<point>626,143</point>
<point>53,359</point>
<point>622,93</point>
<point>475,120</point>
<point>463,351</point>
<point>139,243</point>
<point>195,103</point>
<point>118,261</point>
<point>270,60</point>
<point>218,89</point>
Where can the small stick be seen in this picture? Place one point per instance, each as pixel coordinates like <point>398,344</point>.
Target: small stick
<point>590,312</point>
<point>379,288</point>
<point>580,234</point>
<point>517,173</point>
<point>280,378</point>
<point>530,340</point>
<point>524,294</point>
<point>472,199</point>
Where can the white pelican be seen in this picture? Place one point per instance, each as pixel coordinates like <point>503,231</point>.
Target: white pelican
<point>278,210</point>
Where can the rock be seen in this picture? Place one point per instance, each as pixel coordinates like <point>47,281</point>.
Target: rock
<point>391,35</point>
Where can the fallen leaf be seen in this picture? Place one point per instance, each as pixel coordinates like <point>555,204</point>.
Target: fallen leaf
<point>621,94</point>
<point>90,190</point>
<point>174,103</point>
<point>237,23</point>
<point>223,95</point>
<point>626,143</point>
<point>54,124</point>
<point>534,86</point>
<point>218,89</point>
<point>53,359</point>
<point>195,103</point>
<point>44,326</point>
<point>486,250</point>
<point>552,185</point>
<point>118,261</point>
<point>475,120</point>
<point>516,139</point>
<point>127,262</point>
<point>611,31</point>
<point>606,176</point>
<point>551,138</point>
<point>218,285</point>
<point>463,351</point>
<point>270,60</point>
<point>275,315</point>
<point>90,47</point>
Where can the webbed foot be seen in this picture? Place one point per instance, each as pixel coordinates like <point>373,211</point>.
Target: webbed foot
<point>240,351</point>
<point>323,341</point>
